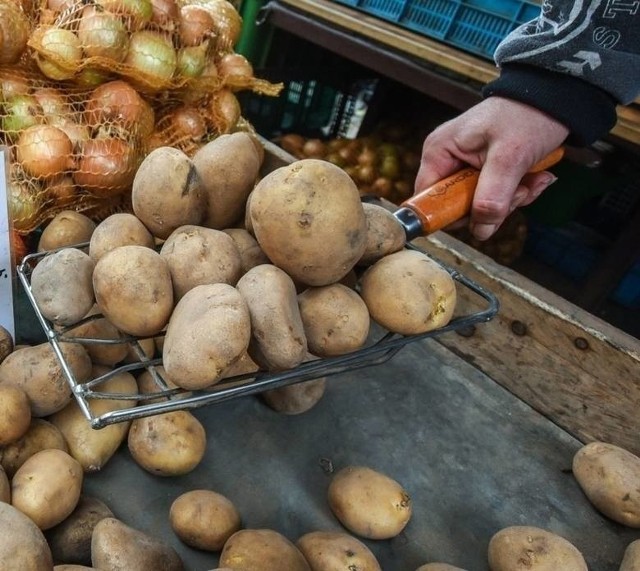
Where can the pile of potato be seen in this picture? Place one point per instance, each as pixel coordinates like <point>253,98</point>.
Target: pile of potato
<point>220,272</point>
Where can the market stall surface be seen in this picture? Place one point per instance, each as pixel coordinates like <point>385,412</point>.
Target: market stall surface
<point>473,458</point>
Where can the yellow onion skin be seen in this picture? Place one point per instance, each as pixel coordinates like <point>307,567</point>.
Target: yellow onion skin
<point>44,151</point>
<point>14,32</point>
<point>103,34</point>
<point>152,54</point>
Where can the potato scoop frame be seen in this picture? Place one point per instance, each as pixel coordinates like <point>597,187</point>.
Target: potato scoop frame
<point>380,348</point>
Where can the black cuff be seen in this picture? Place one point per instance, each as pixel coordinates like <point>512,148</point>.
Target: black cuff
<point>586,110</point>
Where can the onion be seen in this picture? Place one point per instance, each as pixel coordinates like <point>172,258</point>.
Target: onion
<point>192,60</point>
<point>20,113</point>
<point>292,143</point>
<point>62,190</point>
<point>152,55</point>
<point>224,111</point>
<point>19,247</point>
<point>77,132</point>
<point>195,25</point>
<point>54,104</point>
<point>24,204</point>
<point>164,13</point>
<point>382,187</point>
<point>185,122</point>
<point>58,6</point>
<point>61,53</point>
<point>135,12</point>
<point>91,77</point>
<point>235,68</point>
<point>13,83</point>
<point>44,151</point>
<point>117,102</point>
<point>227,20</point>
<point>102,34</point>
<point>313,148</point>
<point>14,32</point>
<point>367,156</point>
<point>106,166</point>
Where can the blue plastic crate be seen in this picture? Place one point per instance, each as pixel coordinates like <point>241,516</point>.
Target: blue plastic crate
<point>476,26</point>
<point>627,293</point>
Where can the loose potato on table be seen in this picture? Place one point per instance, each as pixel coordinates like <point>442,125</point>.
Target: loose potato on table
<point>369,503</point>
<point>15,414</point>
<point>116,546</point>
<point>70,540</point>
<point>119,229</point>
<point>197,256</point>
<point>385,235</point>
<point>67,228</point>
<point>47,487</point>
<point>261,549</point>
<point>610,478</point>
<point>38,372</point>
<point>525,548</point>
<point>208,332</point>
<point>61,285</point>
<point>204,519</point>
<point>228,167</point>
<point>409,293</point>
<point>336,551</point>
<point>167,444</point>
<point>22,544</point>
<point>308,219</point>
<point>167,192</point>
<point>133,289</point>
<point>335,319</point>
<point>277,334</point>
<point>631,560</point>
<point>41,435</point>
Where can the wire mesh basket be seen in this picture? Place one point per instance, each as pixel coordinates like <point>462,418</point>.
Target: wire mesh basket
<point>380,348</point>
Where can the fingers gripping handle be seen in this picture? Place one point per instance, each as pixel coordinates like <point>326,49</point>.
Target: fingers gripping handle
<point>450,199</point>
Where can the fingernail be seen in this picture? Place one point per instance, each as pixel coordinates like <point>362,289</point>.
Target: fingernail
<point>548,179</point>
<point>483,231</point>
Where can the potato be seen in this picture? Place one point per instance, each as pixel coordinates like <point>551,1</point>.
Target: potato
<point>438,567</point>
<point>631,560</point>
<point>296,398</point>
<point>168,444</point>
<point>369,503</point>
<point>117,547</point>
<point>277,334</point>
<point>335,319</point>
<point>197,255</point>
<point>6,343</point>
<point>409,293</point>
<point>100,328</point>
<point>228,166</point>
<point>610,478</point>
<point>38,372</point>
<point>15,414</point>
<point>308,219</point>
<point>521,548</point>
<point>5,487</point>
<point>133,289</point>
<point>90,447</point>
<point>147,385</point>
<point>72,567</point>
<point>167,192</point>
<point>61,285</point>
<point>67,228</point>
<point>24,547</point>
<point>251,255</point>
<point>70,540</point>
<point>261,549</point>
<point>385,234</point>
<point>41,435</point>
<point>147,347</point>
<point>47,487</point>
<point>243,366</point>
<point>119,229</point>
<point>336,551</point>
<point>204,519</point>
<point>209,331</point>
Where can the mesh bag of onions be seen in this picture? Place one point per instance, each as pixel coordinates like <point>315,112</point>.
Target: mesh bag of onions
<point>83,102</point>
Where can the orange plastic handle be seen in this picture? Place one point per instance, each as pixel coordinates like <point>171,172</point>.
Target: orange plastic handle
<point>450,199</point>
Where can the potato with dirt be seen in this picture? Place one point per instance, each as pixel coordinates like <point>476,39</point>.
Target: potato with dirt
<point>115,546</point>
<point>527,548</point>
<point>24,547</point>
<point>167,192</point>
<point>228,167</point>
<point>15,414</point>
<point>251,255</point>
<point>336,551</point>
<point>369,503</point>
<point>309,221</point>
<point>133,289</point>
<point>409,293</point>
<point>67,228</point>
<point>297,398</point>
<point>208,332</point>
<point>631,559</point>
<point>261,549</point>
<point>6,343</point>
<point>62,287</point>
<point>198,256</point>
<point>610,478</point>
<point>37,371</point>
<point>204,519</point>
<point>385,235</point>
<point>119,229</point>
<point>47,487</point>
<point>277,341</point>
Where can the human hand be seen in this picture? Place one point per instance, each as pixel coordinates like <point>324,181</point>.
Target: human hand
<point>502,138</point>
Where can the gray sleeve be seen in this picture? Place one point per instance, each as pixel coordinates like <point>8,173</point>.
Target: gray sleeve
<point>597,41</point>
